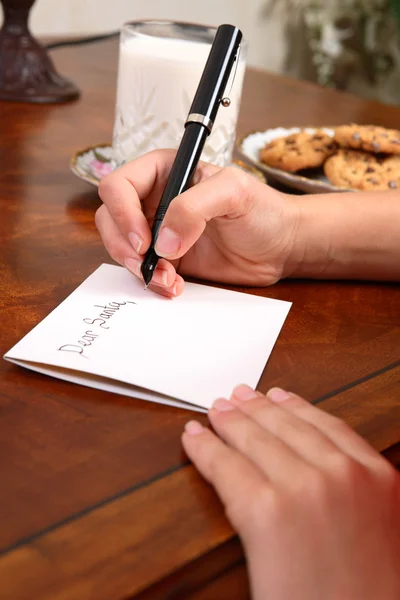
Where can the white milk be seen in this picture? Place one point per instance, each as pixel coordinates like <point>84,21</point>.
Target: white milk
<point>157,80</point>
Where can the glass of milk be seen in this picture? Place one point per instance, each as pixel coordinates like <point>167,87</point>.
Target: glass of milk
<point>160,65</point>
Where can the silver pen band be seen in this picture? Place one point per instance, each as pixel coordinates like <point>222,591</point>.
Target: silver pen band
<point>202,119</point>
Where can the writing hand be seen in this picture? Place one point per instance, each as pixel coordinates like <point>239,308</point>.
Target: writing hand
<point>228,227</point>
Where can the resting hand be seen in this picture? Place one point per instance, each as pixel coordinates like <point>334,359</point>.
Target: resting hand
<point>316,507</point>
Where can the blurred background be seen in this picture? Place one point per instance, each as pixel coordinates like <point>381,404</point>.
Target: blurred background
<point>347,44</point>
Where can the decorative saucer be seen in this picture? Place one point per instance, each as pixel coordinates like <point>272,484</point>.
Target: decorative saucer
<point>312,181</point>
<point>93,163</point>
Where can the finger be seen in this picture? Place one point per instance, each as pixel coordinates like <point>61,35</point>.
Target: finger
<point>122,252</point>
<point>165,280</point>
<point>236,480</point>
<point>140,181</point>
<point>151,171</point>
<point>123,190</point>
<point>228,193</point>
<point>123,204</point>
<point>117,246</point>
<point>266,451</point>
<point>302,437</point>
<point>164,274</point>
<point>345,438</point>
<point>170,292</point>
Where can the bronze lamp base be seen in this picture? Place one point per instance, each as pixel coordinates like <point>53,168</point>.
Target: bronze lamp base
<point>27,73</point>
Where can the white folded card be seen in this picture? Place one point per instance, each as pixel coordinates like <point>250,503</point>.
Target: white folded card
<point>113,335</point>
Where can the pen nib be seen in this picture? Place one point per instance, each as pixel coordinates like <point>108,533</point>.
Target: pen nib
<point>146,286</point>
<point>148,267</point>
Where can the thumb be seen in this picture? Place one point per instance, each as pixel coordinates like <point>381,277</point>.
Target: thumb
<point>227,193</point>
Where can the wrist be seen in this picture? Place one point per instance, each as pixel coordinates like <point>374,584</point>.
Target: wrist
<point>312,250</point>
<point>306,245</point>
<point>346,235</point>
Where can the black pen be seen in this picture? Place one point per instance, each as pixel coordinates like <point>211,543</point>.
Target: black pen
<point>224,51</point>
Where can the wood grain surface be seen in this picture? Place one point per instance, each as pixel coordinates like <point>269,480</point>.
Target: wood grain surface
<point>97,500</point>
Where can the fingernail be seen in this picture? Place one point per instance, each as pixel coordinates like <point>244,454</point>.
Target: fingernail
<point>222,405</point>
<point>164,277</point>
<point>277,394</point>
<point>136,241</point>
<point>194,428</point>
<point>244,392</point>
<point>133,266</point>
<point>171,291</point>
<point>168,242</point>
<point>161,276</point>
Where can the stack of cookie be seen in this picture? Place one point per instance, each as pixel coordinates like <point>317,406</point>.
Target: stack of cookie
<point>361,157</point>
<point>298,151</point>
<point>368,158</point>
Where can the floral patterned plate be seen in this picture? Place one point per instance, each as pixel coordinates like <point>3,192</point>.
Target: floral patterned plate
<point>312,181</point>
<point>95,162</point>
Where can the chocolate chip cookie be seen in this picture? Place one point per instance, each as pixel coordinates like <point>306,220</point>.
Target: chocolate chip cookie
<point>354,169</point>
<point>298,151</point>
<point>369,138</point>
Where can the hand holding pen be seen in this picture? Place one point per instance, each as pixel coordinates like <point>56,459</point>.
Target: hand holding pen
<point>228,227</point>
<point>198,126</point>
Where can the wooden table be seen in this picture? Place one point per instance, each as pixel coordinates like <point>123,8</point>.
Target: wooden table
<point>97,500</point>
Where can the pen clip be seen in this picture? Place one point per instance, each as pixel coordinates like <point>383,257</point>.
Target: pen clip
<point>226,101</point>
